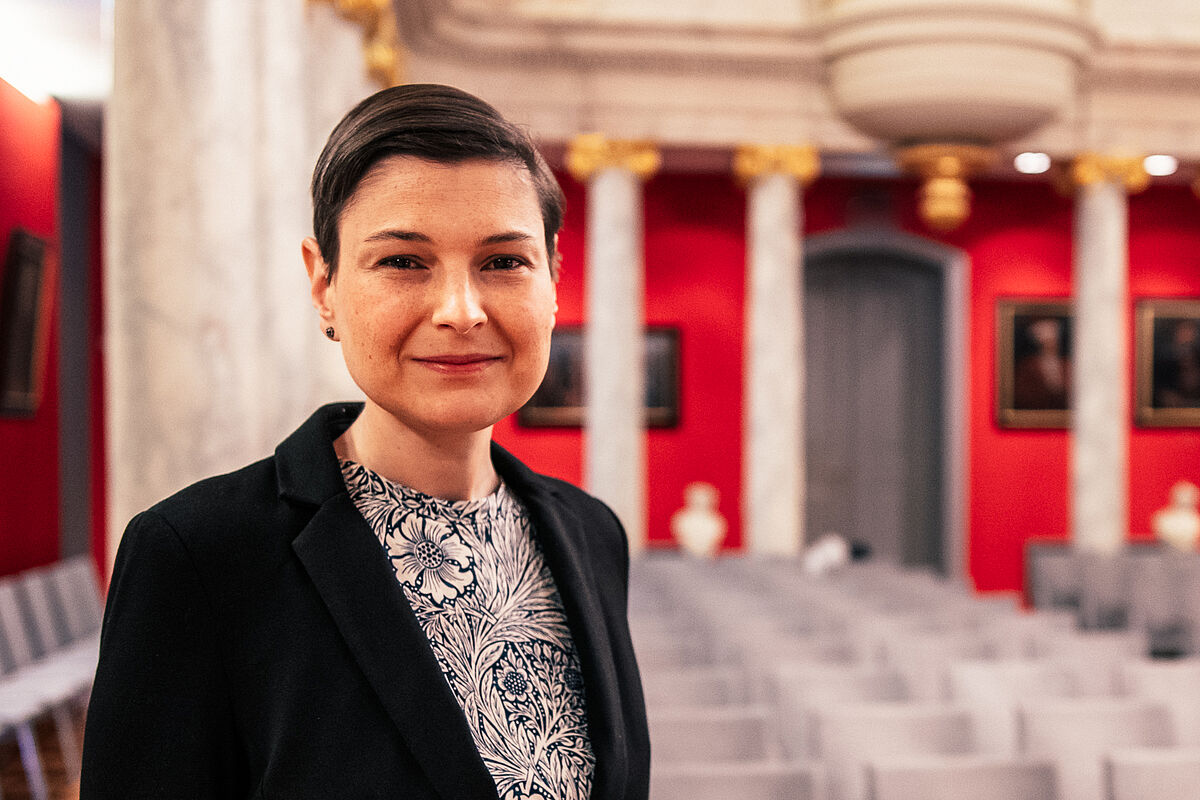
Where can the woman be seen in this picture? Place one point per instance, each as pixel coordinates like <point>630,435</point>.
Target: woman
<point>391,605</point>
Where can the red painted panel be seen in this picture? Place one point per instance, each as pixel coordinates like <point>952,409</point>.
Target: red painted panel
<point>29,513</point>
<point>1164,261</point>
<point>1018,241</point>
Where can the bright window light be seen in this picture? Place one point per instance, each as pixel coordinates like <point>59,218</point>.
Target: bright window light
<point>55,47</point>
<point>1032,163</point>
<point>1160,165</point>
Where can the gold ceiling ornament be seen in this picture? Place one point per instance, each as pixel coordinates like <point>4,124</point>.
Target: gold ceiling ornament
<point>589,153</point>
<point>800,161</point>
<point>382,52</point>
<point>945,198</point>
<point>1129,171</point>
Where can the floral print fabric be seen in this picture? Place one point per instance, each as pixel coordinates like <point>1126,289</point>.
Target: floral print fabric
<point>476,579</point>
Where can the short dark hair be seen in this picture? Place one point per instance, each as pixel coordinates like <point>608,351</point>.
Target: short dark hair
<point>429,121</point>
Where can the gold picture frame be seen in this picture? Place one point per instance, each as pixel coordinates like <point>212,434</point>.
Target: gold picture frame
<point>559,401</point>
<point>1167,363</point>
<point>1033,362</point>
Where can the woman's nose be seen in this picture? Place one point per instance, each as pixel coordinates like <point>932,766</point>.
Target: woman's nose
<point>459,305</point>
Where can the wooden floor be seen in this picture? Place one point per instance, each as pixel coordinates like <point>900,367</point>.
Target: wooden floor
<point>12,776</point>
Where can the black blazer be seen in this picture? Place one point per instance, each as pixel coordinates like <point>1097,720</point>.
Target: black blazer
<point>256,644</point>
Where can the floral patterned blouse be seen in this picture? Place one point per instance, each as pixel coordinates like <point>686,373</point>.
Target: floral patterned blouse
<point>476,578</point>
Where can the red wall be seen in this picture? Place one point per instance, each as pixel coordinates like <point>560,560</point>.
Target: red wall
<point>1164,258</point>
<point>694,252</point>
<point>29,514</point>
<point>1018,240</point>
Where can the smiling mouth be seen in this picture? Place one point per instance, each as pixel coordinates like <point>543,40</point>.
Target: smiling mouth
<point>469,362</point>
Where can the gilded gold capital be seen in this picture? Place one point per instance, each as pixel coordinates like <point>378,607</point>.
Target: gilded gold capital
<point>1127,170</point>
<point>383,55</point>
<point>590,153</point>
<point>945,198</point>
<point>802,162</point>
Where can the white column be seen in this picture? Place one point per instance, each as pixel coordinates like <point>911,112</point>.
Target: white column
<point>1100,407</point>
<point>209,334</point>
<point>614,346</point>
<point>773,460</point>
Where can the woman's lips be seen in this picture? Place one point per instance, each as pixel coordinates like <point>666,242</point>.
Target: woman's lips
<point>457,364</point>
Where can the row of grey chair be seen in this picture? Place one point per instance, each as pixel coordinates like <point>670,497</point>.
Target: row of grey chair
<point>1149,588</point>
<point>885,684</point>
<point>49,640</point>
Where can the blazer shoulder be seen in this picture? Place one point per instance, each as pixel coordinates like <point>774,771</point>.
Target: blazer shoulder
<point>231,516</point>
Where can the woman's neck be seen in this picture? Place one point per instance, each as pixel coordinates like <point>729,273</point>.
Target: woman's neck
<point>454,466</point>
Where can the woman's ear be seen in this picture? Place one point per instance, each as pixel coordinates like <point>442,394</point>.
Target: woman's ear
<point>320,285</point>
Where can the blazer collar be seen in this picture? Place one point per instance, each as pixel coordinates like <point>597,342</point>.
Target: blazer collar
<point>356,582</point>
<point>564,538</point>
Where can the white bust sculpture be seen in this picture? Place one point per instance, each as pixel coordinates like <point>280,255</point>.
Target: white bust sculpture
<point>1178,524</point>
<point>698,526</point>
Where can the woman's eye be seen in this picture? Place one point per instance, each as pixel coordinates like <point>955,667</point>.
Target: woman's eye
<point>400,262</point>
<point>505,263</point>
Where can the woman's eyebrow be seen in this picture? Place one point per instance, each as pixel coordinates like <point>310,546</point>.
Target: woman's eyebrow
<point>503,238</point>
<point>398,235</point>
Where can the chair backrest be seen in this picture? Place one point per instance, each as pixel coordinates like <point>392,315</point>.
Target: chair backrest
<point>735,780</point>
<point>74,582</point>
<point>1153,773</point>
<point>714,734</point>
<point>801,690</point>
<point>1175,684</point>
<point>958,777</point>
<point>924,659</point>
<point>695,686</point>
<point>1053,576</point>
<point>851,736</point>
<point>16,633</point>
<point>1025,635</point>
<point>1104,600</point>
<point>993,690</point>
<point>1097,656</point>
<point>50,630</point>
<point>1076,733</point>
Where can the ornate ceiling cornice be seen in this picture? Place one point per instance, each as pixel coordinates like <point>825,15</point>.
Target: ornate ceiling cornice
<point>700,75</point>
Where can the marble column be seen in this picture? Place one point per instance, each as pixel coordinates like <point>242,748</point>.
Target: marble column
<point>773,425</point>
<point>212,350</point>
<point>614,347</point>
<point>1100,390</point>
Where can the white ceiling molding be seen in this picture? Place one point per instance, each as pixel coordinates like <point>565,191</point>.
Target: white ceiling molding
<point>692,74</point>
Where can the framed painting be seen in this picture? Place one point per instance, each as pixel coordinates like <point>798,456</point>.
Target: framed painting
<point>1033,362</point>
<point>1167,363</point>
<point>559,400</point>
<point>24,317</point>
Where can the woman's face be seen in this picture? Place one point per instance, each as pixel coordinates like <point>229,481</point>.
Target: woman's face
<point>443,298</point>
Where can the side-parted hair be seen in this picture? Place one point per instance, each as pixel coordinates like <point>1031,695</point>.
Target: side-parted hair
<point>437,123</point>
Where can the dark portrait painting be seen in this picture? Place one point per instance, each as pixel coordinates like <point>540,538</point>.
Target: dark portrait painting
<point>1168,363</point>
<point>559,400</point>
<point>23,323</point>
<point>1034,369</point>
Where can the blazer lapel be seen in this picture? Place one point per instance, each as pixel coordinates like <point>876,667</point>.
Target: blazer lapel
<point>356,583</point>
<point>563,537</point>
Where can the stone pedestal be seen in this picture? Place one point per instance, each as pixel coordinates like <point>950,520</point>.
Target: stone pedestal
<point>773,460</point>
<point>614,347</point>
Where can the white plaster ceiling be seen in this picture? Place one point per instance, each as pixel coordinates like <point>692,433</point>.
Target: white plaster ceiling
<point>712,74</point>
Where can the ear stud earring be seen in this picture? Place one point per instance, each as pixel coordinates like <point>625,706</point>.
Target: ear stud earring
<point>329,332</point>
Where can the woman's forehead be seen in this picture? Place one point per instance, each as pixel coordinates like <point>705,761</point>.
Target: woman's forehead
<point>430,197</point>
